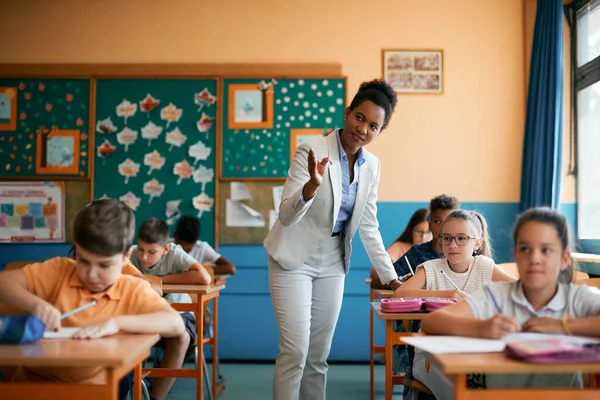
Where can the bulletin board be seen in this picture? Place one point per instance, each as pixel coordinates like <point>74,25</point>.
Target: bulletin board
<point>155,147</point>
<point>263,119</point>
<point>44,127</point>
<point>262,201</point>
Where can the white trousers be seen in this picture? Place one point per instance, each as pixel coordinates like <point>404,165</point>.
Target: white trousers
<point>307,303</point>
<point>439,384</point>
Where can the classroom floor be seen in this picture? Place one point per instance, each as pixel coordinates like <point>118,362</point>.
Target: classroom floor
<point>254,381</point>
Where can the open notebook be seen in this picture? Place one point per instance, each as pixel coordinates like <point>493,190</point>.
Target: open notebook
<point>63,333</point>
<point>459,344</point>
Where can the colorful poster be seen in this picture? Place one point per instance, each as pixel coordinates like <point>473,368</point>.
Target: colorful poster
<point>32,212</point>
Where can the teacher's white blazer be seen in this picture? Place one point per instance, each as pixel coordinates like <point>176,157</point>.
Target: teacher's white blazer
<point>302,227</point>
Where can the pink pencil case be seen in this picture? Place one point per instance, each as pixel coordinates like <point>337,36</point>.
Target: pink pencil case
<point>401,304</point>
<point>553,351</point>
<point>434,303</point>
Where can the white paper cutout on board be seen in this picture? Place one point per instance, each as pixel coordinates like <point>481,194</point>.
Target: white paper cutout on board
<point>148,104</point>
<point>151,131</point>
<point>239,191</point>
<point>131,200</point>
<point>204,124</point>
<point>105,149</point>
<point>127,137</point>
<point>128,169</point>
<point>202,203</point>
<point>154,161</point>
<point>105,126</point>
<point>126,109</point>
<point>172,212</point>
<point>199,151</point>
<point>204,98</point>
<point>175,138</point>
<point>240,215</point>
<point>183,170</point>
<point>204,175</point>
<point>153,188</point>
<point>267,87</point>
<point>171,113</point>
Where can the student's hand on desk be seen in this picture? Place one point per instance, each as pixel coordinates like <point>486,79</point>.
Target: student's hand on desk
<point>544,325</point>
<point>459,295</point>
<point>106,328</point>
<point>498,327</point>
<point>48,314</point>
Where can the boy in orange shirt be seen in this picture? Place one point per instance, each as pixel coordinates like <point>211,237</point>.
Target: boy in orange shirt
<point>103,234</point>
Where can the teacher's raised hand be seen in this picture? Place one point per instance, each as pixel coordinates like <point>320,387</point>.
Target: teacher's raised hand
<point>316,170</point>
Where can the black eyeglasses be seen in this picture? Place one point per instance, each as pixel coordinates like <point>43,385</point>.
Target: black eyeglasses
<point>461,240</point>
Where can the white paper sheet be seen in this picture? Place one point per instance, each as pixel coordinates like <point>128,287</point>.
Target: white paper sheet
<point>63,333</point>
<point>272,218</point>
<point>277,191</point>
<point>239,191</point>
<point>240,215</point>
<point>454,344</point>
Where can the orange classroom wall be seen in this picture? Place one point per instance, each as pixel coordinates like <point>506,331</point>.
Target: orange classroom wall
<point>466,142</point>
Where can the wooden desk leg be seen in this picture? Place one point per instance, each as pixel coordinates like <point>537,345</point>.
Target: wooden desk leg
<point>371,347</point>
<point>137,382</point>
<point>112,384</point>
<point>200,347</point>
<point>389,332</point>
<point>214,346</point>
<point>460,386</point>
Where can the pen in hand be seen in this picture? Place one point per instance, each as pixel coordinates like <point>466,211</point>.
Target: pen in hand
<point>496,305</point>
<point>75,311</point>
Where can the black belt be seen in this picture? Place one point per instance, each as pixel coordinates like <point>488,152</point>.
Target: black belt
<point>336,233</point>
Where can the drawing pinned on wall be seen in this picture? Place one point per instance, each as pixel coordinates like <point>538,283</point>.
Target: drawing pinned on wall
<point>239,215</point>
<point>105,126</point>
<point>250,106</point>
<point>8,108</point>
<point>131,200</point>
<point>204,124</point>
<point>151,131</point>
<point>105,149</point>
<point>183,170</point>
<point>199,151</point>
<point>173,212</point>
<point>127,137</point>
<point>239,191</point>
<point>202,203</point>
<point>57,151</point>
<point>129,169</point>
<point>126,109</point>
<point>148,104</point>
<point>171,113</point>
<point>154,161</point>
<point>175,138</point>
<point>153,188</point>
<point>204,98</point>
<point>203,175</point>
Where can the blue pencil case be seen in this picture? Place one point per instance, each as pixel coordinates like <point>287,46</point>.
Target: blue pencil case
<point>20,329</point>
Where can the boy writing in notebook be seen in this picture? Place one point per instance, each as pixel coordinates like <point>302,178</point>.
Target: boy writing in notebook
<point>187,235</point>
<point>103,233</point>
<point>154,255</point>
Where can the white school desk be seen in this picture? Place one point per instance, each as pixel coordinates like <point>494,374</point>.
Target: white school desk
<point>117,355</point>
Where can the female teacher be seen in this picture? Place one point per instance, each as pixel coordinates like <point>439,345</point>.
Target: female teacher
<point>330,192</point>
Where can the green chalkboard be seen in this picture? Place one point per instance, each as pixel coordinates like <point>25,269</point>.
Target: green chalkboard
<point>161,129</point>
<point>250,150</point>
<point>26,105</point>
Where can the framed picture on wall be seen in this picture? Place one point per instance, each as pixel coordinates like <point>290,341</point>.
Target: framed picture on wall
<point>303,135</point>
<point>8,108</point>
<point>413,71</point>
<point>57,151</point>
<point>250,106</point>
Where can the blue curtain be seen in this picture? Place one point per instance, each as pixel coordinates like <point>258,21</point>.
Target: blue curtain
<point>542,146</point>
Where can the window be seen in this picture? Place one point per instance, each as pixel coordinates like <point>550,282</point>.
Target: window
<point>587,84</point>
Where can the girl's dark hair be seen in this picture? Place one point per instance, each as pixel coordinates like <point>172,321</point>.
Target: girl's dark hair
<point>555,219</point>
<point>105,227</point>
<point>419,216</point>
<point>481,229</point>
<point>379,92</point>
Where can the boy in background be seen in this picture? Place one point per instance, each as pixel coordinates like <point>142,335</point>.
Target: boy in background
<point>154,255</point>
<point>187,235</point>
<point>103,233</point>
